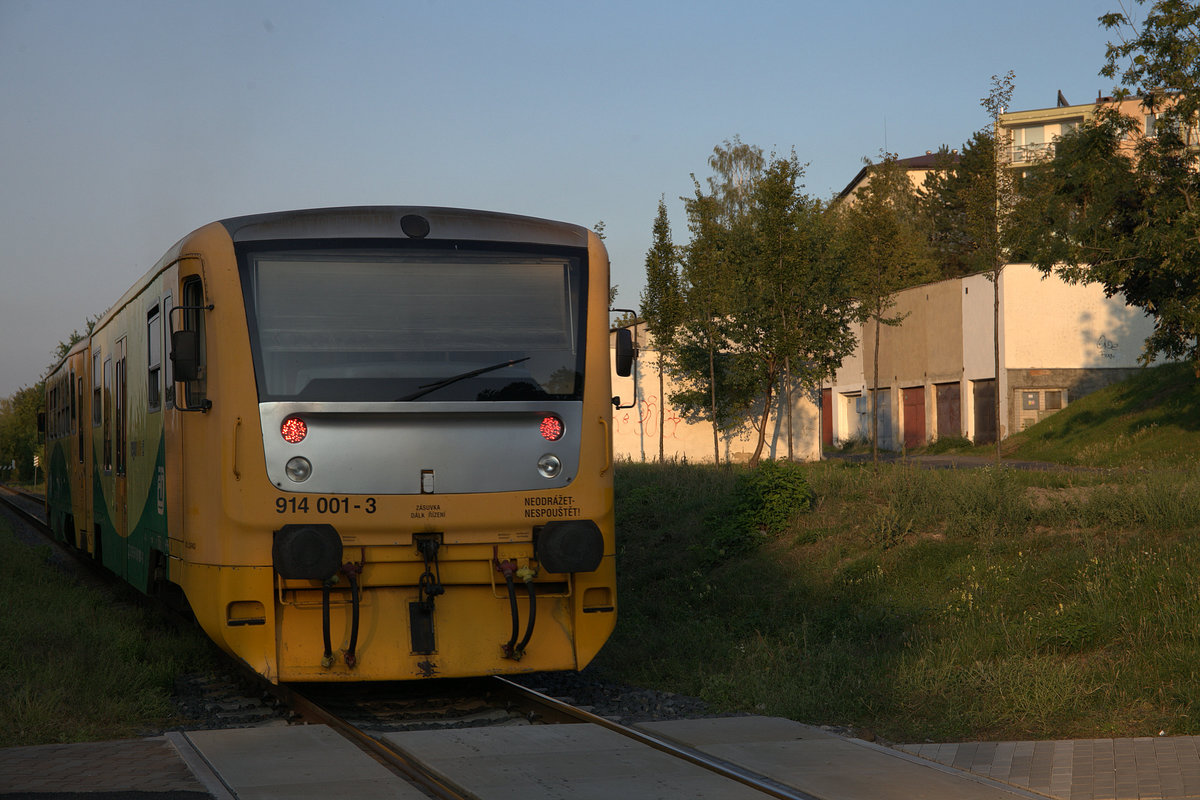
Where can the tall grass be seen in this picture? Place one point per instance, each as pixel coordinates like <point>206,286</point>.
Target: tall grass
<point>74,665</point>
<point>949,604</point>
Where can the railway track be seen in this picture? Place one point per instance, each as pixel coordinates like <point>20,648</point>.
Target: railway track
<point>26,505</point>
<point>487,702</point>
<point>364,717</point>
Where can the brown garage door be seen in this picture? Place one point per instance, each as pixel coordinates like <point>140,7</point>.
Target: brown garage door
<point>949,410</point>
<point>914,417</point>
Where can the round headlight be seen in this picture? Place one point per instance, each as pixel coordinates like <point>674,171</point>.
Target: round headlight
<point>549,465</point>
<point>298,469</point>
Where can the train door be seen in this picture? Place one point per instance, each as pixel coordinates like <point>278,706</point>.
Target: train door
<point>79,471</point>
<point>120,449</point>
<point>94,455</point>
<point>172,444</point>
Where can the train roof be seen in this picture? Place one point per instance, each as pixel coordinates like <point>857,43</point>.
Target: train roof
<point>80,345</point>
<point>373,222</point>
<point>412,222</point>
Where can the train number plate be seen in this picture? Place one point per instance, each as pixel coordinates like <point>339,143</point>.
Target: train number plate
<point>324,505</point>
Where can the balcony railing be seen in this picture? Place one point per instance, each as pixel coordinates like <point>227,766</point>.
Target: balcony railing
<point>1024,153</point>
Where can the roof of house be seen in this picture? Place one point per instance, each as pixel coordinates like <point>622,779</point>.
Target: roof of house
<point>931,160</point>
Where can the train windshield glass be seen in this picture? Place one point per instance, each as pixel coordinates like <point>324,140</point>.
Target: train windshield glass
<point>435,325</point>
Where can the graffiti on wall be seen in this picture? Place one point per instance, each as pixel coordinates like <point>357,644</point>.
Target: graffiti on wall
<point>646,418</point>
<point>1107,347</point>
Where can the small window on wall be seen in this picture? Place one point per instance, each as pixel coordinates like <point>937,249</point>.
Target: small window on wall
<point>154,360</point>
<point>1054,399</point>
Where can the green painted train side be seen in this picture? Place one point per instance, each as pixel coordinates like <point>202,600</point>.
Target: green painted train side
<point>115,508</point>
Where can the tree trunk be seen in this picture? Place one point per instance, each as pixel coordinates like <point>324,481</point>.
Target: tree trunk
<point>662,406</point>
<point>712,386</point>
<point>787,390</point>
<point>875,397</point>
<point>762,425</point>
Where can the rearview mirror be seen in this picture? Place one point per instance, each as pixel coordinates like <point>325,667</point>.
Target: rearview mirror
<point>625,352</point>
<point>185,355</point>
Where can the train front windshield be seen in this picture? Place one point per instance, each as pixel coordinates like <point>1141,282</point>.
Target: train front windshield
<point>405,325</point>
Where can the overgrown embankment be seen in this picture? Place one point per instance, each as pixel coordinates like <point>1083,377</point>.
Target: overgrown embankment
<point>82,663</point>
<point>922,604</point>
<point>936,604</point>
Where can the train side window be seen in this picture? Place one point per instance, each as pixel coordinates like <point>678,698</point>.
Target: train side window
<point>108,437</point>
<point>71,414</point>
<point>51,411</point>
<point>189,350</point>
<point>154,360</point>
<point>81,427</point>
<point>97,406</point>
<point>169,383</point>
<point>121,396</point>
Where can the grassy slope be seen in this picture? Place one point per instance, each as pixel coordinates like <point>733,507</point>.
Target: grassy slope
<point>75,665</point>
<point>1150,420</point>
<point>944,605</point>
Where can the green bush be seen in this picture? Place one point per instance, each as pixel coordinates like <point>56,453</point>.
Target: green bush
<point>764,502</point>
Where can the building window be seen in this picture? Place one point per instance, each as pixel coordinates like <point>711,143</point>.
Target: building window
<point>1029,143</point>
<point>1053,399</point>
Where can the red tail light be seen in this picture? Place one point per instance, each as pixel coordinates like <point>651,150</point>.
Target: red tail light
<point>293,430</point>
<point>551,428</point>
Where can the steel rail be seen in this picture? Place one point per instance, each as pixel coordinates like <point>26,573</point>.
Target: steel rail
<point>25,514</point>
<point>725,769</point>
<point>413,771</point>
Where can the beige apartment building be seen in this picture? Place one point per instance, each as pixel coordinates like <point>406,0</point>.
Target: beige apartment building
<point>1029,136</point>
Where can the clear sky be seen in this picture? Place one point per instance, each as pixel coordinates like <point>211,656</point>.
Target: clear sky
<point>125,124</point>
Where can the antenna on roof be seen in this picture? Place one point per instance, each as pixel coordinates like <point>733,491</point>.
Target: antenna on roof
<point>1062,101</point>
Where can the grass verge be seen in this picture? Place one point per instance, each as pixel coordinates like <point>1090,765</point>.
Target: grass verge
<point>943,605</point>
<point>75,663</point>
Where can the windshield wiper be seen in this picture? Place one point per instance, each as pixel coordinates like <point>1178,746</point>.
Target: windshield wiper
<point>433,387</point>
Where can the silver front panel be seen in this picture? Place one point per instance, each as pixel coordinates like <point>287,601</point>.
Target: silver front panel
<point>384,448</point>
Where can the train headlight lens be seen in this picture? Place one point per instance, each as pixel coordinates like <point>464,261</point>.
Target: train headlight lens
<point>298,469</point>
<point>549,465</point>
<point>551,428</point>
<point>293,430</point>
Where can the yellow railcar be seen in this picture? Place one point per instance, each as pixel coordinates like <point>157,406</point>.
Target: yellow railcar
<point>366,443</point>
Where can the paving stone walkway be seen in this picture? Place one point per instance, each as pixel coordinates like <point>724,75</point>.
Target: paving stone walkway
<point>151,765</point>
<point>1163,768</point>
